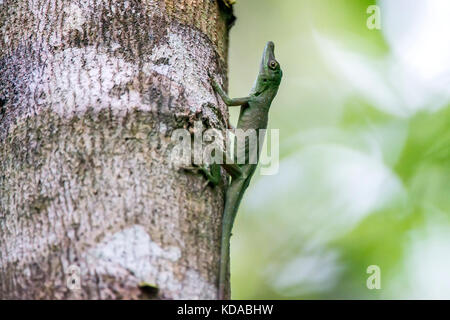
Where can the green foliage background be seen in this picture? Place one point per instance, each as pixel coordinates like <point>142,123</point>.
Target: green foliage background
<point>361,182</point>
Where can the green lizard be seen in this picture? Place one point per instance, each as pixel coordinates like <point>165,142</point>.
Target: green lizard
<point>253,115</point>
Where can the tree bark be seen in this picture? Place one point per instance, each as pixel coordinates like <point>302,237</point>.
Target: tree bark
<point>90,92</point>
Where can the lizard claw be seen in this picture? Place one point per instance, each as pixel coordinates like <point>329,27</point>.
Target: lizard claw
<point>210,76</point>
<point>193,169</point>
<point>198,170</point>
<point>204,187</point>
<point>213,81</point>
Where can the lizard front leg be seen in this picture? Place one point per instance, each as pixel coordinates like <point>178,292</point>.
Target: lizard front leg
<point>228,101</point>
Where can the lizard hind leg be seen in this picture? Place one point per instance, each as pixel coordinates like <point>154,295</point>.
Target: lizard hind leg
<point>212,173</point>
<point>233,170</point>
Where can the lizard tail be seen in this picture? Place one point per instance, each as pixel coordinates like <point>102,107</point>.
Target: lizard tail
<point>233,198</point>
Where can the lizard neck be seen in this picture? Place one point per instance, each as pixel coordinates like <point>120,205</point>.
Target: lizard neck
<point>266,97</point>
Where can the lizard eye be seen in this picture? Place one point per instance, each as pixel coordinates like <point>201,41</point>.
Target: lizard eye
<point>273,64</point>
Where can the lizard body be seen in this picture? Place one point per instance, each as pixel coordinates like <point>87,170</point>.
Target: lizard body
<point>253,115</point>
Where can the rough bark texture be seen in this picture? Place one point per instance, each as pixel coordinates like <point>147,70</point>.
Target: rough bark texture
<point>90,92</point>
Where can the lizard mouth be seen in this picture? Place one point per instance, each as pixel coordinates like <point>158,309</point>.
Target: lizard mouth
<point>268,55</point>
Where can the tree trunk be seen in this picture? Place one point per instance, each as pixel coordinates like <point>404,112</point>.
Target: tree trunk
<point>90,93</point>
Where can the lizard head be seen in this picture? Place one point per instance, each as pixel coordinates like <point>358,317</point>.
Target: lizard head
<point>270,71</point>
